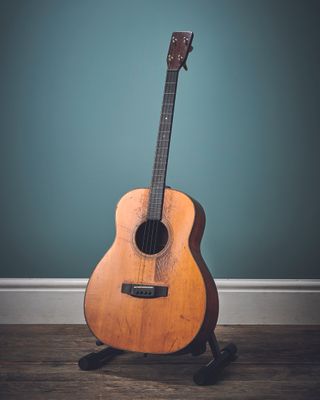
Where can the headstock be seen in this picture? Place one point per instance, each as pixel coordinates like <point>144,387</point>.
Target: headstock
<point>180,47</point>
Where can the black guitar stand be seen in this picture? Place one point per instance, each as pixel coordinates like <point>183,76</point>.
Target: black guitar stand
<point>209,374</point>
<point>206,375</point>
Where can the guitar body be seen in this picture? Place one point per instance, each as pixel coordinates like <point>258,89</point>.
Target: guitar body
<point>186,312</point>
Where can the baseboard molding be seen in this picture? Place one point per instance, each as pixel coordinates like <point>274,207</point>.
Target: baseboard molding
<point>242,301</point>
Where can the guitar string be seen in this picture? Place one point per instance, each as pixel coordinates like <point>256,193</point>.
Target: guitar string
<point>150,222</point>
<point>151,226</point>
<point>159,163</point>
<point>167,125</point>
<point>163,153</point>
<point>164,150</point>
<point>147,223</point>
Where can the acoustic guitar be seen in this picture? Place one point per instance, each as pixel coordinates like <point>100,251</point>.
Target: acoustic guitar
<point>152,291</point>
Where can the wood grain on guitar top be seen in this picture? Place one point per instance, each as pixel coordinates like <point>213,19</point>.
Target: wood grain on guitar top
<point>154,325</point>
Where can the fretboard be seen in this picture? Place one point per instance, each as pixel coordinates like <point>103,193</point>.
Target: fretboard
<point>162,151</point>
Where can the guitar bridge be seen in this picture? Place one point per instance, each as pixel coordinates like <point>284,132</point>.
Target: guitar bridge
<point>144,291</point>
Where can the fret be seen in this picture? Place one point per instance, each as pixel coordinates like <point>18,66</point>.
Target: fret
<point>155,202</point>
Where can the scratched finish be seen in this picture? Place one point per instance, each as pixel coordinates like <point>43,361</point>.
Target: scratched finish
<point>164,324</point>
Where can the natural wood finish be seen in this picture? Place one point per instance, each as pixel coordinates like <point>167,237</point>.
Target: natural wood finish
<point>165,324</point>
<point>39,362</point>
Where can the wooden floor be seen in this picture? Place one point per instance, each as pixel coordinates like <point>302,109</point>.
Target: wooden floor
<point>275,362</point>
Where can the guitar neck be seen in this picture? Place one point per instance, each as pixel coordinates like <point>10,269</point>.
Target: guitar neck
<point>158,181</point>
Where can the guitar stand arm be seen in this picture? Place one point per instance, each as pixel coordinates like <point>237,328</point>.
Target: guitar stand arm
<point>221,358</point>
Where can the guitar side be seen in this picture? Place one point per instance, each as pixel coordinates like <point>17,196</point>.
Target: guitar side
<point>189,311</point>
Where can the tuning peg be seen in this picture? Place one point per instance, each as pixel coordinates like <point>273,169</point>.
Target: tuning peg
<point>174,40</point>
<point>185,66</point>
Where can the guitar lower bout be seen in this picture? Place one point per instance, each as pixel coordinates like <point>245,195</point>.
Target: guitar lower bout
<point>152,292</point>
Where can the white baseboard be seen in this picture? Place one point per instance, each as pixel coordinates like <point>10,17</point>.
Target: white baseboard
<point>242,301</point>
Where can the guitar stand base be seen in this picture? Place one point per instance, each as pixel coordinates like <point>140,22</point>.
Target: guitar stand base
<point>206,375</point>
<point>210,373</point>
<point>97,360</point>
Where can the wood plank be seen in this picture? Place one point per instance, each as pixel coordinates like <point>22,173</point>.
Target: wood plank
<point>157,372</point>
<point>265,344</point>
<point>123,389</point>
<point>275,362</point>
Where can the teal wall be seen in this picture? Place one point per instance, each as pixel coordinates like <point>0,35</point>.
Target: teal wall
<point>81,89</point>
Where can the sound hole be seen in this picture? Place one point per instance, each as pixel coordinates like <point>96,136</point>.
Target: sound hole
<point>151,237</point>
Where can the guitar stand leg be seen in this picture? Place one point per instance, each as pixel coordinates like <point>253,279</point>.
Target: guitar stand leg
<point>204,376</point>
<point>221,358</point>
<point>97,360</point>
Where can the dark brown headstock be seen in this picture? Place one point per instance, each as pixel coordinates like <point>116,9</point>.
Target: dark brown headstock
<point>180,47</point>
